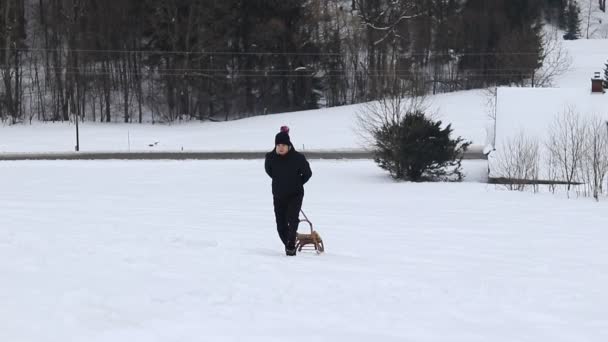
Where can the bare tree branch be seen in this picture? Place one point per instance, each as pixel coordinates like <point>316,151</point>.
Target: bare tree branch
<point>555,61</point>
<point>566,144</point>
<point>518,162</point>
<point>595,161</point>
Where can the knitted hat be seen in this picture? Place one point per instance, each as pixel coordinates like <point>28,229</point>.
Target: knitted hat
<point>283,137</point>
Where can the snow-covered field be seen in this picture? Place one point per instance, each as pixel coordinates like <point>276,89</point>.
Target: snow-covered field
<point>327,129</point>
<point>187,251</point>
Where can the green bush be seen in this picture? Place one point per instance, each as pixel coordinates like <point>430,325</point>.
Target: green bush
<point>416,148</point>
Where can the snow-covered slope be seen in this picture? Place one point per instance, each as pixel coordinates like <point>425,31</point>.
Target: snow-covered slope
<point>324,129</point>
<point>187,251</point>
<point>588,57</point>
<point>594,22</point>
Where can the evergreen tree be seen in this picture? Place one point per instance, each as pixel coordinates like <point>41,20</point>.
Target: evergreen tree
<point>416,148</point>
<point>493,31</point>
<point>555,12</point>
<point>573,21</point>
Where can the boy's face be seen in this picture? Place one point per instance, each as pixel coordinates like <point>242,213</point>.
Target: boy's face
<point>282,149</point>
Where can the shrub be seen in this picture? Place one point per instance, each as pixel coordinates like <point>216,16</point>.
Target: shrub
<point>416,148</point>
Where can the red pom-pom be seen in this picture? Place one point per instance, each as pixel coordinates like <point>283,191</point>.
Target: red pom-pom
<point>285,129</point>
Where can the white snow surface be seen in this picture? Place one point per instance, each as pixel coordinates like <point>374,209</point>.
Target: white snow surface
<point>533,112</point>
<point>588,56</point>
<point>325,129</point>
<point>187,251</point>
<point>594,19</point>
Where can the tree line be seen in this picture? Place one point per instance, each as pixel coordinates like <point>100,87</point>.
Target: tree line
<point>167,60</point>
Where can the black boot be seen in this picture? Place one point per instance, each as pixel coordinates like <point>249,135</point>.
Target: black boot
<point>290,250</point>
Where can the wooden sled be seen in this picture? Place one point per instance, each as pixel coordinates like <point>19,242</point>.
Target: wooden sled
<point>310,241</point>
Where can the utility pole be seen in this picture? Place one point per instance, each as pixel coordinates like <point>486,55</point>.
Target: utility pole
<point>588,18</point>
<point>495,114</point>
<point>77,137</point>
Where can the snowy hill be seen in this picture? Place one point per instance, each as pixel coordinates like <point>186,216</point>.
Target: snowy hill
<point>594,22</point>
<point>325,129</point>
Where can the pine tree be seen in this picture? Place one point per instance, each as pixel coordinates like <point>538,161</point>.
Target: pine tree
<point>416,148</point>
<point>573,21</point>
<point>555,12</point>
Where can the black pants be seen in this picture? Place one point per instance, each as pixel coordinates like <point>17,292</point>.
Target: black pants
<point>287,214</point>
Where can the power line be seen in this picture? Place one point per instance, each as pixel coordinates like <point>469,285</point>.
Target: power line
<point>346,69</point>
<point>276,53</point>
<point>444,75</point>
<point>458,77</point>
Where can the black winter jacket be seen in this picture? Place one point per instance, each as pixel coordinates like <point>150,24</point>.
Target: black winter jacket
<point>289,173</point>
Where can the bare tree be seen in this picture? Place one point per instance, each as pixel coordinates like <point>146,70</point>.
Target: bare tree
<point>566,144</point>
<point>491,103</point>
<point>518,162</point>
<point>11,68</point>
<point>588,24</point>
<point>386,36</point>
<point>595,163</point>
<point>385,112</point>
<point>552,171</point>
<point>555,61</point>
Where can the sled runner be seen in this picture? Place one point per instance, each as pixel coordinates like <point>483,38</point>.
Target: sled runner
<point>313,238</point>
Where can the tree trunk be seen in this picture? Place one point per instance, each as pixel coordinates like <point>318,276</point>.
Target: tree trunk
<point>138,81</point>
<point>106,89</point>
<point>123,70</point>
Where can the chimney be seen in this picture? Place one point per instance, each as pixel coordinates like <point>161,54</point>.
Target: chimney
<point>597,84</point>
